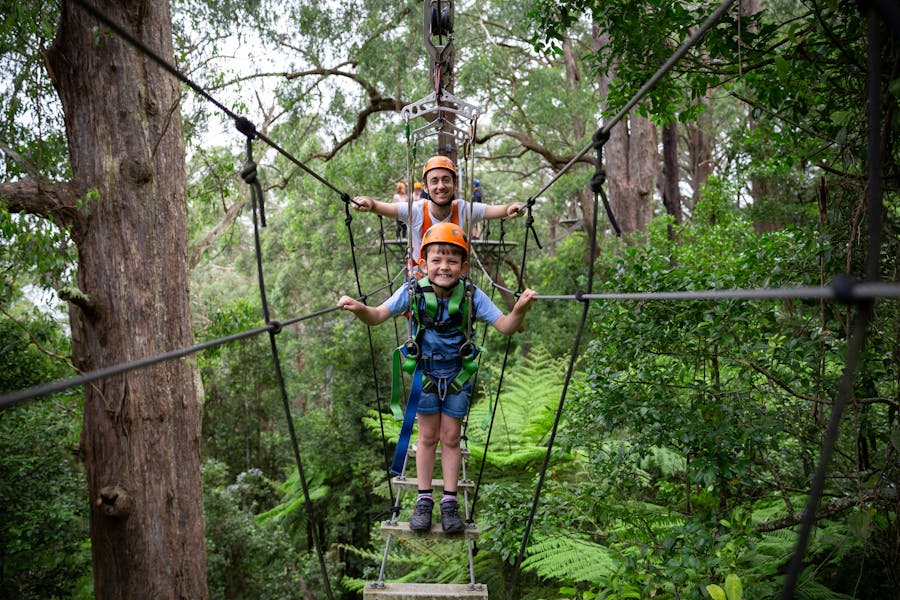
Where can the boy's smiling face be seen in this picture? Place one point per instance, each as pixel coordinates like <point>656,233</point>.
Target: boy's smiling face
<point>444,267</point>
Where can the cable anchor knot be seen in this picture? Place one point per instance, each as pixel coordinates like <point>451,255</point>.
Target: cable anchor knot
<point>245,126</point>
<point>843,286</point>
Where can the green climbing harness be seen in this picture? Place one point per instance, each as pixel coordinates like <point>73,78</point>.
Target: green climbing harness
<point>424,310</point>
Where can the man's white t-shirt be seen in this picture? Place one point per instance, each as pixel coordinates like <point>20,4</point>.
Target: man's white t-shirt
<point>460,207</point>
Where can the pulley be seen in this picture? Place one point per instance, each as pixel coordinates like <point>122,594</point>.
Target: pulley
<point>441,17</point>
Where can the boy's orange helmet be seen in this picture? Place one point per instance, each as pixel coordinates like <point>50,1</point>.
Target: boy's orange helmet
<point>439,162</point>
<point>447,233</point>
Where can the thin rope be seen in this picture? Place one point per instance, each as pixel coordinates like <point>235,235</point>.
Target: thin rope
<point>348,220</point>
<point>865,309</point>
<point>61,385</point>
<point>241,123</point>
<point>843,289</point>
<point>249,175</point>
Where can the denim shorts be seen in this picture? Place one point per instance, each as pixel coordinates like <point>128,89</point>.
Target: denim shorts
<point>455,405</point>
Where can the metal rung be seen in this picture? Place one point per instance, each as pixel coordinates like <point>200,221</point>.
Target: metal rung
<point>462,451</point>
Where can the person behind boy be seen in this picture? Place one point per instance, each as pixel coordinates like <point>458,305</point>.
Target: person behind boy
<point>440,183</point>
<point>441,409</point>
<point>400,198</point>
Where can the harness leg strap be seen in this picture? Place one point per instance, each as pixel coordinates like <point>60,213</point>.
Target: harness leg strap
<point>409,418</point>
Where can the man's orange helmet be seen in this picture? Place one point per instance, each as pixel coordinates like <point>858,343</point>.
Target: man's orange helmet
<point>439,162</point>
<point>448,233</point>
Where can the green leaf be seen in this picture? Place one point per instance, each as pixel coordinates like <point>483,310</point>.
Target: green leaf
<point>733,588</point>
<point>715,592</point>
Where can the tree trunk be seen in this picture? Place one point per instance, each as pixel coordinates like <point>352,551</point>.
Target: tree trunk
<point>671,194</point>
<point>699,153</point>
<point>584,198</point>
<point>631,160</point>
<point>140,440</point>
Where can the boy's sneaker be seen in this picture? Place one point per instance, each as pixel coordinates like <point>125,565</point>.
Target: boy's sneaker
<point>450,520</point>
<point>421,517</point>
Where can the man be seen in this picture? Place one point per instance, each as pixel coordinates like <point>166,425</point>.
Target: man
<point>440,181</point>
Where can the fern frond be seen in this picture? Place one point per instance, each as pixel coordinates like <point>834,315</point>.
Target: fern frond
<point>812,590</point>
<point>524,417</point>
<point>569,558</point>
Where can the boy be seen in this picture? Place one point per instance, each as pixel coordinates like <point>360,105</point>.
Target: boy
<point>441,409</point>
<point>440,178</point>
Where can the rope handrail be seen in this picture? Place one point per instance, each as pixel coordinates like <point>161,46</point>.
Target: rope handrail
<point>60,385</point>
<point>857,292</point>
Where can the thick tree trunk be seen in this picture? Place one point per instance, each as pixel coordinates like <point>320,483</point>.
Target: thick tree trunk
<point>140,440</point>
<point>632,163</point>
<point>585,197</point>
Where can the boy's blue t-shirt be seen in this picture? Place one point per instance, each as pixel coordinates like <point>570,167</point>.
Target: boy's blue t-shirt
<point>443,347</point>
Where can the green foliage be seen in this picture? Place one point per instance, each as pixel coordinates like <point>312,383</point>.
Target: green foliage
<point>243,422</point>
<point>553,324</point>
<point>732,590</point>
<point>33,252</point>
<point>246,557</point>
<point>43,511</point>
<point>694,405</point>
<point>570,559</point>
<point>524,414</point>
<point>31,126</point>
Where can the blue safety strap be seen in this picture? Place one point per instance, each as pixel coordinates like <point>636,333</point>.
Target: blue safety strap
<point>409,418</point>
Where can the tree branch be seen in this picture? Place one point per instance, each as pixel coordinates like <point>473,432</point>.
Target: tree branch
<point>53,200</point>
<point>216,232</point>
<point>825,511</point>
<point>376,105</point>
<point>554,160</point>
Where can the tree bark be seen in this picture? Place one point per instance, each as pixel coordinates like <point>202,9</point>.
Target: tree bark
<point>140,439</point>
<point>699,154</point>
<point>671,194</point>
<point>631,160</point>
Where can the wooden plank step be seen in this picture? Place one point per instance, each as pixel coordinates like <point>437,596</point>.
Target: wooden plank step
<point>407,483</point>
<point>401,529</point>
<point>425,591</point>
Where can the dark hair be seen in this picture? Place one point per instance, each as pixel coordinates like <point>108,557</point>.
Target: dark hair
<point>449,248</point>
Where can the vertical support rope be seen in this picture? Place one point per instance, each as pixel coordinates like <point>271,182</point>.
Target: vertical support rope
<point>348,219</point>
<point>248,173</point>
<point>864,311</point>
<point>596,184</point>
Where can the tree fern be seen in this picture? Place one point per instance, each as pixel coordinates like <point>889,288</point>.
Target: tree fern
<point>570,558</point>
<point>812,590</point>
<point>524,416</point>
